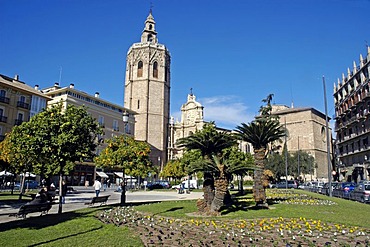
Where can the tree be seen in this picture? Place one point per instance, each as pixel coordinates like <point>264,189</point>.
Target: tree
<point>53,140</point>
<point>262,131</point>
<point>125,153</point>
<point>174,169</point>
<point>21,151</point>
<point>240,163</point>
<point>276,163</point>
<point>210,144</point>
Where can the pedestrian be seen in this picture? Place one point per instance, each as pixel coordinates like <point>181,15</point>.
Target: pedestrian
<point>97,187</point>
<point>105,184</point>
<point>64,191</point>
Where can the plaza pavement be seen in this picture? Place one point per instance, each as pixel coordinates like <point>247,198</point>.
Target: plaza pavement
<point>77,199</point>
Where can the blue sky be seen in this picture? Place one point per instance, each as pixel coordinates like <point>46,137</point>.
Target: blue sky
<point>232,53</point>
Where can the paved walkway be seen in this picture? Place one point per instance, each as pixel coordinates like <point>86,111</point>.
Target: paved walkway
<point>77,199</point>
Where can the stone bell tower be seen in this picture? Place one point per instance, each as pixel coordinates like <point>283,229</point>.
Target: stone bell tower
<point>147,90</point>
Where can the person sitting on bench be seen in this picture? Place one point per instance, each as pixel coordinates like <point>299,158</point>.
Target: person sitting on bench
<point>41,197</point>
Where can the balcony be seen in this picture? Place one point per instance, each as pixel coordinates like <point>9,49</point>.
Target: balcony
<point>18,122</point>
<point>115,128</point>
<point>3,119</point>
<point>4,100</point>
<point>23,105</point>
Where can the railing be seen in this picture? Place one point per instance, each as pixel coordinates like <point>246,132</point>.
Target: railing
<point>3,119</point>
<point>18,121</point>
<point>22,104</point>
<point>4,100</point>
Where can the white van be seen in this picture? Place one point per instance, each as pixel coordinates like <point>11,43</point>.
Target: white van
<point>185,183</point>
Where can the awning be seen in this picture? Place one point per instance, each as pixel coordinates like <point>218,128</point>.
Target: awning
<point>28,174</point>
<point>102,174</point>
<point>5,173</point>
<point>120,174</point>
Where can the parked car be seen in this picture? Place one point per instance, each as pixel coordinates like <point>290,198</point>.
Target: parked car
<point>28,184</point>
<point>305,186</point>
<point>361,192</point>
<point>155,185</point>
<point>325,188</point>
<point>343,189</point>
<point>292,184</point>
<point>316,186</point>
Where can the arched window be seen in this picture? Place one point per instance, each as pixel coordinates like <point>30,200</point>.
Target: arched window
<point>155,70</point>
<point>140,69</point>
<point>150,38</point>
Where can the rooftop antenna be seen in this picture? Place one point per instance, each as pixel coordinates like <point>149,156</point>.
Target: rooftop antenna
<point>291,95</point>
<point>60,74</point>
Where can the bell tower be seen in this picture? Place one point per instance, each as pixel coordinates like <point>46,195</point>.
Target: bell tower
<point>147,90</point>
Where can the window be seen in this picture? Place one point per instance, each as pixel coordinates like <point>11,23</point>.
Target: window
<point>20,116</point>
<point>150,38</point>
<point>138,104</point>
<point>150,26</point>
<point>140,69</point>
<point>1,112</point>
<point>22,99</point>
<point>155,70</point>
<point>115,125</point>
<point>2,93</point>
<point>101,121</point>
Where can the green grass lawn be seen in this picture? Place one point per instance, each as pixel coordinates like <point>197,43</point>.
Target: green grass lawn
<point>79,228</point>
<point>83,228</point>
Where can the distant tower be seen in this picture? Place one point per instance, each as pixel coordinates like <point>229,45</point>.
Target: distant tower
<point>147,90</point>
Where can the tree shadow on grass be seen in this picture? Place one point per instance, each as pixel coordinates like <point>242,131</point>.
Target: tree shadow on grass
<point>240,205</point>
<point>39,222</point>
<point>67,236</point>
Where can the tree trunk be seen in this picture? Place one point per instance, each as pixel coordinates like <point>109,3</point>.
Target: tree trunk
<point>259,192</point>
<point>208,194</point>
<point>60,209</point>
<point>220,194</point>
<point>21,189</point>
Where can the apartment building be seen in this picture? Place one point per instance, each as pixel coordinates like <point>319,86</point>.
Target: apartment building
<point>108,115</point>
<point>352,121</point>
<point>18,103</point>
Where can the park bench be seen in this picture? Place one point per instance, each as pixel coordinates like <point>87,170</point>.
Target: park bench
<point>27,208</point>
<point>98,199</point>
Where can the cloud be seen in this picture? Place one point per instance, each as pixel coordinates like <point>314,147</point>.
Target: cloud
<point>227,111</point>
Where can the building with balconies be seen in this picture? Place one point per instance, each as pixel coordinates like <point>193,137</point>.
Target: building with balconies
<point>18,103</point>
<point>352,121</point>
<point>107,114</point>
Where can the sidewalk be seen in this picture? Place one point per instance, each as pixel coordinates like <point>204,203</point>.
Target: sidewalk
<point>81,195</point>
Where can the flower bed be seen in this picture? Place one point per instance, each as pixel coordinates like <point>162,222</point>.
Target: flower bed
<point>289,196</point>
<point>164,231</point>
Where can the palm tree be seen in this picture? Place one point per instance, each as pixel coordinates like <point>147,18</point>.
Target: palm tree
<point>210,143</point>
<point>261,132</point>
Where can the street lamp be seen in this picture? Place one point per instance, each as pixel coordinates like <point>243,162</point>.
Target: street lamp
<point>125,116</point>
<point>171,138</point>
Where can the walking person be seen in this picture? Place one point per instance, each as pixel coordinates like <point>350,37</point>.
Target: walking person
<point>64,191</point>
<point>97,187</point>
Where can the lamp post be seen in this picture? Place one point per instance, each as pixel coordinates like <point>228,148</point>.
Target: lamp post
<point>125,116</point>
<point>172,121</point>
